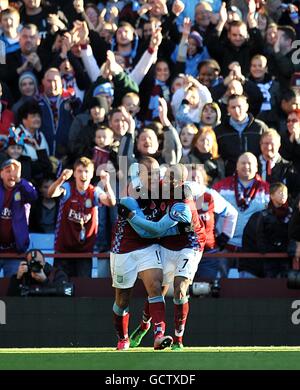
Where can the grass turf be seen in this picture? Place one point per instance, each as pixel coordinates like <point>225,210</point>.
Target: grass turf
<point>214,358</point>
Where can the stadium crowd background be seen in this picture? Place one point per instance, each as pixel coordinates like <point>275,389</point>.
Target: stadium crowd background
<point>197,82</point>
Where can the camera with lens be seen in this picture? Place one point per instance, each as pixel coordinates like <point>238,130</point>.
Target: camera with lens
<point>205,289</point>
<point>34,265</point>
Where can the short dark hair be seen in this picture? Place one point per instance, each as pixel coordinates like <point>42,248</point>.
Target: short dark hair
<point>113,111</point>
<point>29,107</point>
<point>236,96</point>
<point>34,250</point>
<point>288,31</point>
<point>289,94</point>
<point>211,63</point>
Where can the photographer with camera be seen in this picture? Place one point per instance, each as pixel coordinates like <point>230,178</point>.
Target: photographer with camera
<point>35,277</point>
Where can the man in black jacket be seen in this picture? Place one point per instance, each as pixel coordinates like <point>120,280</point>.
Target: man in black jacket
<point>273,168</point>
<point>35,277</point>
<point>239,133</point>
<point>27,58</point>
<point>240,44</point>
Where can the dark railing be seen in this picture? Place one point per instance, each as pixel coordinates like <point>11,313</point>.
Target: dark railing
<point>105,255</point>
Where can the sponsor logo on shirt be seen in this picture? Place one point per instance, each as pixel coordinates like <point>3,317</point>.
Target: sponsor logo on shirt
<point>6,213</point>
<point>76,216</point>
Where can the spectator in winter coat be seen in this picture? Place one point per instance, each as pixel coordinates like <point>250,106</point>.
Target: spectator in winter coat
<point>16,194</point>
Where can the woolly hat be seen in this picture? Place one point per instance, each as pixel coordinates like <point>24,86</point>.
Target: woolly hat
<point>197,38</point>
<point>27,75</point>
<point>14,138</point>
<point>105,88</point>
<point>98,101</point>
<point>235,10</point>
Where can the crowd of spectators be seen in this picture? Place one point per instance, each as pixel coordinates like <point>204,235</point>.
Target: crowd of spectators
<point>109,82</point>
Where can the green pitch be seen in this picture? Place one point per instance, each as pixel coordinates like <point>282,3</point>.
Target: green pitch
<point>213,358</point>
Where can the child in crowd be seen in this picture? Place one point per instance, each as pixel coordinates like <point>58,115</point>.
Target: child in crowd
<point>186,136</point>
<point>210,115</point>
<point>104,138</point>
<point>272,230</point>
<point>131,101</point>
<point>9,22</point>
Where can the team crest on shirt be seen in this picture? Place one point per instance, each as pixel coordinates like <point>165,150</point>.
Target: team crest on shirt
<point>88,203</point>
<point>120,279</point>
<point>17,196</point>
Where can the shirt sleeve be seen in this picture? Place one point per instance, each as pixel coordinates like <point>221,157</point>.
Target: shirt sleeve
<point>66,186</point>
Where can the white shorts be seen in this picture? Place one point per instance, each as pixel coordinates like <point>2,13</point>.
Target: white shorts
<point>126,266</point>
<point>179,263</point>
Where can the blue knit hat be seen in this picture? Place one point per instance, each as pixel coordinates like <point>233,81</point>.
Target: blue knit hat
<point>105,88</point>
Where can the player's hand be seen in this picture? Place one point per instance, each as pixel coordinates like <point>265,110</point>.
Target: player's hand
<point>123,211</point>
<point>181,212</point>
<point>129,203</point>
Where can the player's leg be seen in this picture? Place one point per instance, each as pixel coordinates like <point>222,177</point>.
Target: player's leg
<point>152,279</point>
<point>121,317</point>
<point>186,266</point>
<point>124,274</point>
<point>138,334</point>
<point>144,326</point>
<point>181,309</point>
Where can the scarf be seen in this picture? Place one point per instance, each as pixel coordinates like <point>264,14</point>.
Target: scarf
<point>244,196</point>
<point>264,88</point>
<point>283,213</point>
<point>68,81</point>
<point>54,109</point>
<point>160,89</point>
<point>239,126</point>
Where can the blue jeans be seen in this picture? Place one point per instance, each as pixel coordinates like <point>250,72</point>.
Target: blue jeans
<point>208,268</point>
<point>9,266</point>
